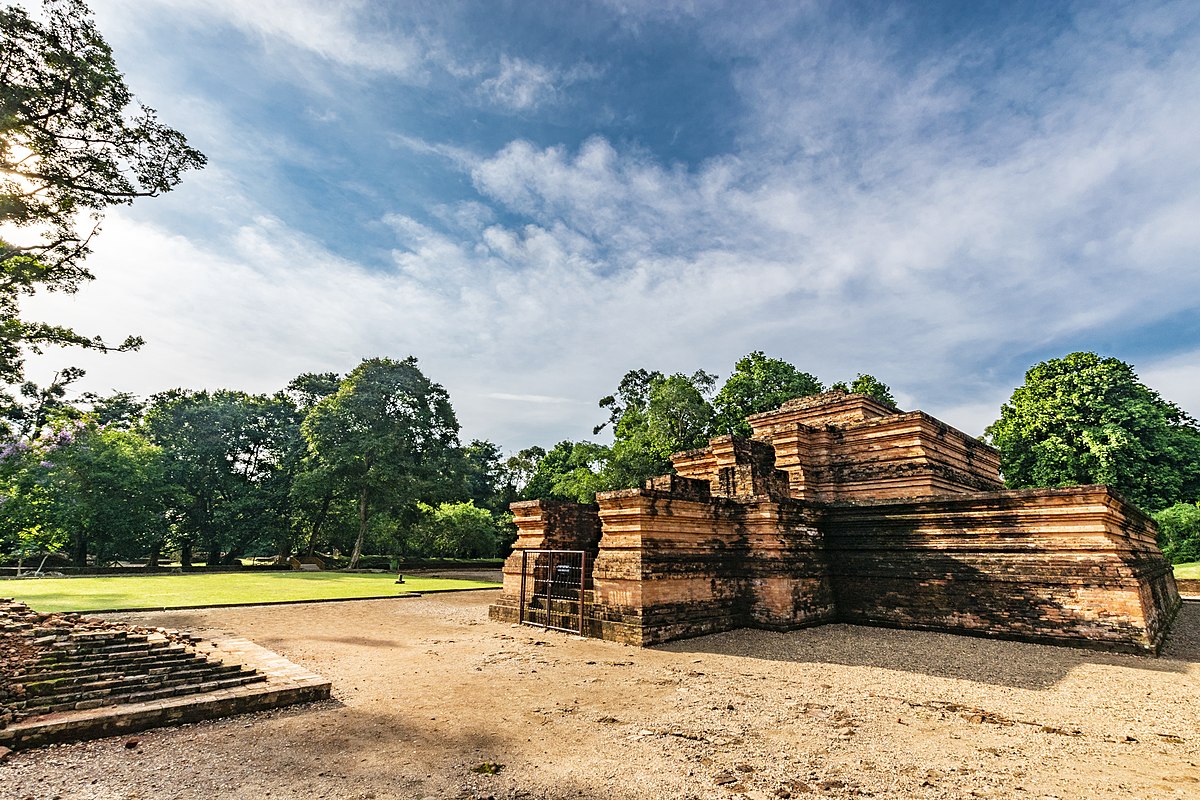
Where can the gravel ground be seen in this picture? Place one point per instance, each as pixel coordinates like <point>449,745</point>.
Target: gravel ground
<point>433,701</point>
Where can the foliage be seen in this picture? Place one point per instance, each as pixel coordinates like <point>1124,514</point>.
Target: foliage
<point>100,490</point>
<point>758,384</point>
<point>315,492</point>
<point>870,386</point>
<point>665,415</point>
<point>569,471</point>
<point>522,467</point>
<point>111,494</point>
<point>1084,419</point>
<point>231,456</point>
<point>487,479</point>
<point>388,434</point>
<point>457,530</point>
<point>1179,532</point>
<point>72,142</point>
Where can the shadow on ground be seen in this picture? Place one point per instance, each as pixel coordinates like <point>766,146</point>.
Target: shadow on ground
<point>994,661</point>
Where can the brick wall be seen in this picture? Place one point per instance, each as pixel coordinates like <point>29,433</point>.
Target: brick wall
<point>843,508</point>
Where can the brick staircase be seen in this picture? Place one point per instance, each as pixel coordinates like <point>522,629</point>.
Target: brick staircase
<point>57,663</point>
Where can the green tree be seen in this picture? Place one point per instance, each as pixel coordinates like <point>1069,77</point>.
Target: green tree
<point>870,386</point>
<point>1084,419</point>
<point>73,141</point>
<point>231,456</point>
<point>26,525</point>
<point>569,471</point>
<point>316,493</point>
<point>1179,532</point>
<point>669,416</point>
<point>758,384</point>
<point>522,466</point>
<point>97,491</point>
<point>389,434</point>
<point>457,530</point>
<point>486,477</point>
<point>39,408</point>
<point>110,492</point>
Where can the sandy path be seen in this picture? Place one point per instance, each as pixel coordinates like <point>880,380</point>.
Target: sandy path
<point>427,689</point>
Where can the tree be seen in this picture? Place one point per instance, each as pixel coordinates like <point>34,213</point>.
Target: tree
<point>486,477</point>
<point>457,530</point>
<point>569,471</point>
<point>758,384</point>
<point>522,467</point>
<point>39,407</point>
<point>314,489</point>
<point>109,492</point>
<point>72,143</point>
<point>1084,419</point>
<point>1179,532</point>
<point>100,491</point>
<point>231,456</point>
<point>666,416</point>
<point>633,394</point>
<point>389,434</point>
<point>868,385</point>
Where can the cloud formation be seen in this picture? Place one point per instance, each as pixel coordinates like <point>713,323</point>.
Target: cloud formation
<point>938,213</point>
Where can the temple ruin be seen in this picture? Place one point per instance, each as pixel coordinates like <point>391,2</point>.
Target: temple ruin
<point>842,509</point>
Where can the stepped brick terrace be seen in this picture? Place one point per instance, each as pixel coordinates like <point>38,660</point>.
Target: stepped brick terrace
<point>840,508</point>
<point>65,677</point>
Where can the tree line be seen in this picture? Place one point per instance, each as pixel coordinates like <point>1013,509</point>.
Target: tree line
<point>373,457</point>
<point>368,460</point>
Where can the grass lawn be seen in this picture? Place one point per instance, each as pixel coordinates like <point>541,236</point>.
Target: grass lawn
<point>1189,572</point>
<point>216,589</point>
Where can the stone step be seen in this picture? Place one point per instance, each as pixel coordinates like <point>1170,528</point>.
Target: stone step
<point>114,698</point>
<point>70,651</point>
<point>98,647</point>
<point>159,676</point>
<point>84,667</point>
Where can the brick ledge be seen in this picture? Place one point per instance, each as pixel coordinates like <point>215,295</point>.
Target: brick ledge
<point>286,684</point>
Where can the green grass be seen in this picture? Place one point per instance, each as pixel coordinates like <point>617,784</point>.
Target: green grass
<point>215,589</point>
<point>1189,572</point>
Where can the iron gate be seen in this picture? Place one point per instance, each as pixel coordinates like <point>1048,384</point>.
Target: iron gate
<point>554,584</point>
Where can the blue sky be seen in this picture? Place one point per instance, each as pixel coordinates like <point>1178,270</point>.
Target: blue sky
<point>534,197</point>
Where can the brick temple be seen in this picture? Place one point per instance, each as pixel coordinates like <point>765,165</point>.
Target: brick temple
<point>842,509</point>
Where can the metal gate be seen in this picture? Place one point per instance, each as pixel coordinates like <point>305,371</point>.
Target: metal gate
<point>554,584</point>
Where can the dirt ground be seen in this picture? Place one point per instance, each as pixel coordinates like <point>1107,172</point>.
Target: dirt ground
<point>429,696</point>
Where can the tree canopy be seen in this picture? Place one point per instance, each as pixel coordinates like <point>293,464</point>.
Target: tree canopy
<point>73,141</point>
<point>758,383</point>
<point>870,386</point>
<point>386,434</point>
<point>1179,532</point>
<point>1084,419</point>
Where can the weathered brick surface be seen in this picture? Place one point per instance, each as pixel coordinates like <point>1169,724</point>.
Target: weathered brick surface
<point>842,508</point>
<point>84,678</point>
<point>850,447</point>
<point>545,525</point>
<point>1077,565</point>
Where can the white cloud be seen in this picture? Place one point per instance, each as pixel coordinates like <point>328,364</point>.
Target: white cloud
<point>343,33</point>
<point>871,219</point>
<point>1176,378</point>
<point>524,85</point>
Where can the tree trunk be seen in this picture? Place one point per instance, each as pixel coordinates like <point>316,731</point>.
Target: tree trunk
<point>155,555</point>
<point>318,522</point>
<point>79,549</point>
<point>185,556</point>
<point>363,518</point>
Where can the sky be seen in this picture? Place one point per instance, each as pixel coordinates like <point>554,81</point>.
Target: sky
<point>534,197</point>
